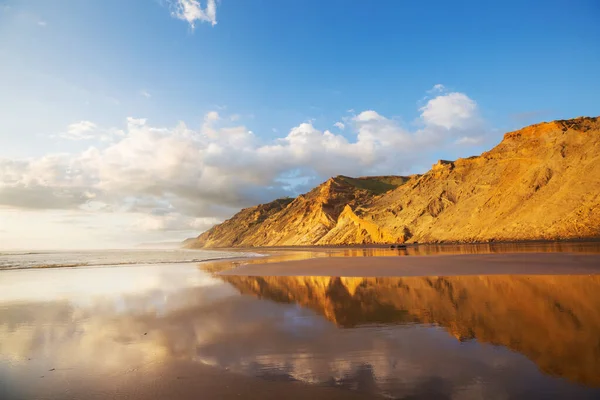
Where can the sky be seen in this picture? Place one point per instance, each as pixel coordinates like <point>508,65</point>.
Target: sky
<point>124,122</point>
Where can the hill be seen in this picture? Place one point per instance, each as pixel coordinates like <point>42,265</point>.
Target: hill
<point>300,221</point>
<point>540,182</point>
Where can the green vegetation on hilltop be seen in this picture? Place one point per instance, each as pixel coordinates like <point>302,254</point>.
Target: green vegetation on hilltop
<point>375,184</point>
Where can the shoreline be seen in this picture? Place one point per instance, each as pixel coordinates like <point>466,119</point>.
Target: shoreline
<point>132,264</point>
<point>539,257</point>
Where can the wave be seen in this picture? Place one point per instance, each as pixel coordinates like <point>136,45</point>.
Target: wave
<point>17,253</point>
<point>73,260</point>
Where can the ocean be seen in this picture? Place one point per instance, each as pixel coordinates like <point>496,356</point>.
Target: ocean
<point>98,258</point>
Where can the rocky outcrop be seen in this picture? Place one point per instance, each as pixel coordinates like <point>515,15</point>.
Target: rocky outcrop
<point>540,182</point>
<point>352,229</point>
<point>301,221</point>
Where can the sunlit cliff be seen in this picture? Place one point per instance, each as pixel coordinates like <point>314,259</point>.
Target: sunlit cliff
<point>540,182</point>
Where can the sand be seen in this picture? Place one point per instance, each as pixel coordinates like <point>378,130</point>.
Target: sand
<point>179,380</point>
<point>178,332</point>
<point>439,265</point>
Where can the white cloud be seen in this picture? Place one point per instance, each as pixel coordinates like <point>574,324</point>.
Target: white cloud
<point>339,125</point>
<point>438,88</point>
<point>133,122</point>
<point>42,23</point>
<point>368,115</point>
<point>145,94</point>
<point>181,178</point>
<point>80,130</point>
<point>87,130</point>
<point>210,119</point>
<point>212,116</point>
<point>192,11</point>
<point>174,222</point>
<point>450,111</point>
<point>469,140</point>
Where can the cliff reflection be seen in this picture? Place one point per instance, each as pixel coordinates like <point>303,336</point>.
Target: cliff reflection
<point>160,323</point>
<point>553,320</point>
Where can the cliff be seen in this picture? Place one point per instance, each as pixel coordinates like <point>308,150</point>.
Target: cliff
<point>540,182</point>
<point>304,220</point>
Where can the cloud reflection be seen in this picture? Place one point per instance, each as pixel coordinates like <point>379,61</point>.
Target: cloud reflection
<point>396,344</point>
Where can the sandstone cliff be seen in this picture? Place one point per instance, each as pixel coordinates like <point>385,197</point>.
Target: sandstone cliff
<point>540,182</point>
<point>300,221</point>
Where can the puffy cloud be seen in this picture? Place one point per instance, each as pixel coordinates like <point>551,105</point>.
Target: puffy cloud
<point>174,222</point>
<point>80,130</point>
<point>368,115</point>
<point>180,178</point>
<point>339,125</point>
<point>87,130</point>
<point>212,116</point>
<point>192,11</point>
<point>33,183</point>
<point>145,93</point>
<point>450,111</point>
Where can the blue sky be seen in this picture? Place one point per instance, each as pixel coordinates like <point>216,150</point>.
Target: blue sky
<point>72,72</point>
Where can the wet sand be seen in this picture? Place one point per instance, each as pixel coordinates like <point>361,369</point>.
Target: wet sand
<point>188,331</point>
<point>180,380</point>
<point>435,265</point>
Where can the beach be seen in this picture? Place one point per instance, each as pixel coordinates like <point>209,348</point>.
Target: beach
<point>175,380</point>
<point>307,323</point>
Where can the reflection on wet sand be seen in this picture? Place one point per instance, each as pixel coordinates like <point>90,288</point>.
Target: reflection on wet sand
<point>553,320</point>
<point>173,331</point>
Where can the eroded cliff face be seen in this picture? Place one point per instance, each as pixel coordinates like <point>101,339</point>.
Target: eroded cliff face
<point>301,221</point>
<point>234,231</point>
<point>553,320</point>
<point>540,182</point>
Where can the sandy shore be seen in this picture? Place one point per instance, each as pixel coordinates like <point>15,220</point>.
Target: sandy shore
<point>440,265</point>
<point>178,331</point>
<point>177,380</point>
